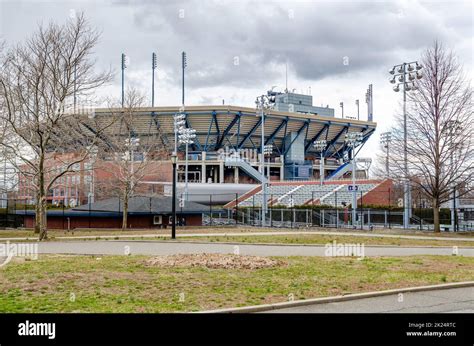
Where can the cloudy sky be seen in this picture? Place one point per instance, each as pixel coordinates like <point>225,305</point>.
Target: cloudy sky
<point>238,49</point>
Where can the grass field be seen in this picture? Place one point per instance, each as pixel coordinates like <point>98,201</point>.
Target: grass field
<point>324,239</point>
<point>125,284</point>
<point>243,238</point>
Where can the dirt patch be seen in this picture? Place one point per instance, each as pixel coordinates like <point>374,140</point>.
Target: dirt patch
<point>214,261</point>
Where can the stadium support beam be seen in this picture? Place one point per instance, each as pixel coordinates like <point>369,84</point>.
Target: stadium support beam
<point>274,133</point>
<point>345,129</point>
<point>251,132</point>
<point>213,120</point>
<point>301,129</point>
<point>227,130</point>
<point>316,136</point>
<point>364,139</point>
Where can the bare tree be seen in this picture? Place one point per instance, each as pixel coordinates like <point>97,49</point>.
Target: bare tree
<point>38,81</point>
<point>132,150</point>
<point>440,131</point>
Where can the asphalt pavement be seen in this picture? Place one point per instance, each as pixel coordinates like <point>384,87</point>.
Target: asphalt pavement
<point>170,247</point>
<point>454,300</point>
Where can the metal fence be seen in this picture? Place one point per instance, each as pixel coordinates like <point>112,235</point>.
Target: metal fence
<point>12,213</point>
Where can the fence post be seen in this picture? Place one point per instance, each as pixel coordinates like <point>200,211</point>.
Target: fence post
<point>368,217</point>
<point>210,210</point>
<point>236,209</point>
<point>361,213</point>
<point>337,210</point>
<point>322,217</point>
<point>63,216</point>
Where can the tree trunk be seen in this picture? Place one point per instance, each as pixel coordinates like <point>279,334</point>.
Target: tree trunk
<point>43,219</point>
<point>125,213</point>
<point>436,216</point>
<point>37,214</point>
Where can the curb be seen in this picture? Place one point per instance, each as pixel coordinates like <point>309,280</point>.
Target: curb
<point>355,296</point>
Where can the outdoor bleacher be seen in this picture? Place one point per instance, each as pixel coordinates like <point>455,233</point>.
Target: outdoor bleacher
<point>290,194</point>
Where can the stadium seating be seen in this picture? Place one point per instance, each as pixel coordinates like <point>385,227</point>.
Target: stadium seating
<point>335,193</point>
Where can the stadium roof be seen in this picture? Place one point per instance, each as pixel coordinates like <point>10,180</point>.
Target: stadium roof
<point>240,127</point>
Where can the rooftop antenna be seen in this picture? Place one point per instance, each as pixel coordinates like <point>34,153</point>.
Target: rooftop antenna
<point>309,90</point>
<point>286,77</point>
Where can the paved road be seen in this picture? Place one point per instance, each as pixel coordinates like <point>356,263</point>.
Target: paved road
<point>167,248</point>
<point>266,233</point>
<point>454,300</point>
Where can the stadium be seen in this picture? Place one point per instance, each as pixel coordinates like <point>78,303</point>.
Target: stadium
<point>222,165</point>
<point>225,156</point>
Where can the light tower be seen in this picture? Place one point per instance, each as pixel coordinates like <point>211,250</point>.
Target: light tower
<point>320,146</point>
<point>184,64</point>
<point>407,73</point>
<point>125,61</point>
<point>353,140</point>
<point>263,102</point>
<point>385,139</point>
<point>154,65</point>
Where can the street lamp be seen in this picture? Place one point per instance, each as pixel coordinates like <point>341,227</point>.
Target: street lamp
<point>353,140</point>
<point>174,159</point>
<point>407,73</point>
<point>342,108</point>
<point>264,102</point>
<point>320,146</point>
<point>385,139</point>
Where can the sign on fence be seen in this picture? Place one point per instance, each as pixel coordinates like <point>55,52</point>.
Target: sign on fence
<point>352,188</point>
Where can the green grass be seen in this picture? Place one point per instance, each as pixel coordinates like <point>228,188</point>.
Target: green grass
<point>324,239</point>
<point>125,284</point>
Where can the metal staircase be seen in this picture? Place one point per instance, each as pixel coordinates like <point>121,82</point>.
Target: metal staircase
<point>244,165</point>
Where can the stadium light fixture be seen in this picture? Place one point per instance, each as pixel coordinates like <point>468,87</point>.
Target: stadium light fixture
<point>174,160</point>
<point>385,140</point>
<point>184,64</point>
<point>405,74</point>
<point>186,136</point>
<point>358,114</point>
<point>353,140</point>
<point>124,64</point>
<point>320,146</point>
<point>263,102</point>
<point>154,65</point>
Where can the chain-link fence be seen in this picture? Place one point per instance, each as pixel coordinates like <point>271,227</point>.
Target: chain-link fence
<point>284,210</point>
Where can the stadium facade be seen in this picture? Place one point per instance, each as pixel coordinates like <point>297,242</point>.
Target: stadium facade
<point>226,154</point>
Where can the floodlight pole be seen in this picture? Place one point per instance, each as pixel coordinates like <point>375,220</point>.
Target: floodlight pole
<point>183,65</point>
<point>354,192</point>
<point>173,204</point>
<point>357,104</point>
<point>402,72</point>
<point>262,163</point>
<point>153,67</point>
<point>123,78</point>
